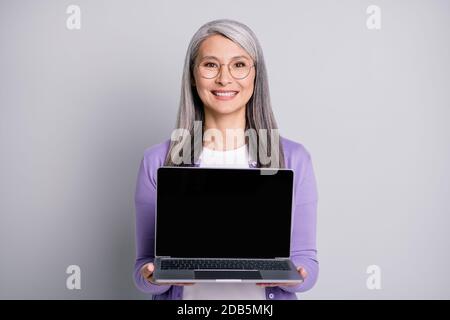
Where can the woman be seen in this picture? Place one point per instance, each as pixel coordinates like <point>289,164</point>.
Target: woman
<point>225,88</point>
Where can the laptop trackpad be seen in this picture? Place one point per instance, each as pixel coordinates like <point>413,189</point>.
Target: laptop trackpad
<point>227,275</point>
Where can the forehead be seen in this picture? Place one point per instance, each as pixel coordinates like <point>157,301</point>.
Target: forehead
<point>221,48</point>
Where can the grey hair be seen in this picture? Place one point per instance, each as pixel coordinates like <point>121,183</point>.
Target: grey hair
<point>259,114</point>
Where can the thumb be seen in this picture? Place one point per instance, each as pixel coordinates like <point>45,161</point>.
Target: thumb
<point>147,270</point>
<point>303,272</point>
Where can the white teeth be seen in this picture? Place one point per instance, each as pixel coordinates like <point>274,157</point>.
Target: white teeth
<point>224,94</point>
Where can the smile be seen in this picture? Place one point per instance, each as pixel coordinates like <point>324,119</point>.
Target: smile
<point>225,93</point>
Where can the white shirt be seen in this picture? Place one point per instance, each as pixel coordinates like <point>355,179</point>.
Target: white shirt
<point>236,158</point>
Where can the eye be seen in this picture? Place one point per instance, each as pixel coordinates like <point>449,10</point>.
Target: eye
<point>240,64</point>
<point>210,65</point>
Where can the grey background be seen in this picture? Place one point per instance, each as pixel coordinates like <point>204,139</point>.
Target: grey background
<point>78,108</point>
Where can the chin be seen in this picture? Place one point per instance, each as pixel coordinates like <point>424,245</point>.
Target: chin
<point>224,109</point>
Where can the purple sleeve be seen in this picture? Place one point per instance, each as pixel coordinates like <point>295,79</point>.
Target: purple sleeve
<point>303,242</point>
<point>145,197</point>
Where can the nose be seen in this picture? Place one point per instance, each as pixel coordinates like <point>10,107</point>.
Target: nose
<point>224,76</point>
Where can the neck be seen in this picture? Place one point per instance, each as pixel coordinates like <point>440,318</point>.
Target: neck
<point>224,132</point>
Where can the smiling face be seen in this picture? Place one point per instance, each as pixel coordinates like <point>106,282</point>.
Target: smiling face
<point>223,94</point>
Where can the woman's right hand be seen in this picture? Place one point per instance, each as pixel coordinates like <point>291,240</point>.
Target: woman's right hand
<point>147,273</point>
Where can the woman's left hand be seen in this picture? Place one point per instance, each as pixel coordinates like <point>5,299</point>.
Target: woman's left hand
<point>302,272</point>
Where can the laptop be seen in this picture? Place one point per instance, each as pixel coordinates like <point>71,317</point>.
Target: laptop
<point>224,225</point>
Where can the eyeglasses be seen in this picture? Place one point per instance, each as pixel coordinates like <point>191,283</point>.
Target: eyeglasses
<point>239,68</point>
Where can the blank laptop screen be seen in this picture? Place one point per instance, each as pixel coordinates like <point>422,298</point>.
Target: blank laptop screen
<point>223,213</point>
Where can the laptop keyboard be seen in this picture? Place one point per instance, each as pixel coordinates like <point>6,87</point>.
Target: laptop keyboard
<point>193,264</point>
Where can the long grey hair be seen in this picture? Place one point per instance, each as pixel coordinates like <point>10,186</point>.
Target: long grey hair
<point>259,115</point>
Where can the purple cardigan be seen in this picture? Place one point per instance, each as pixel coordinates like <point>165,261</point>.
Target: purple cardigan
<point>303,240</point>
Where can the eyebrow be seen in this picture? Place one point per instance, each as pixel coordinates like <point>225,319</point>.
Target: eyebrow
<point>213,57</point>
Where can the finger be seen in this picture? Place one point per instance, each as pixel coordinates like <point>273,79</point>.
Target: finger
<point>177,284</point>
<point>147,269</point>
<point>267,284</point>
<point>303,273</point>
<point>144,271</point>
<point>289,284</point>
